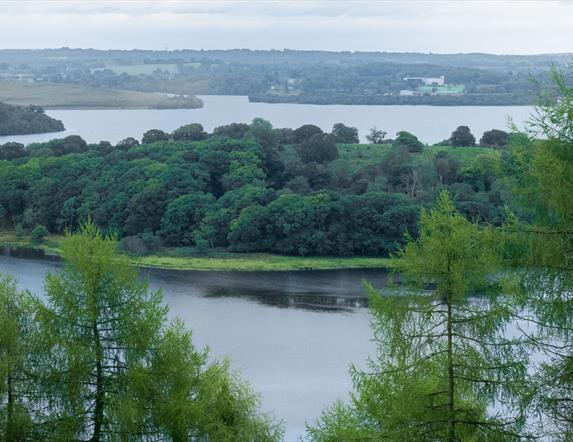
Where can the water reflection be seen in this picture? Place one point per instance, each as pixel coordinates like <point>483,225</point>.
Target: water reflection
<point>26,253</point>
<point>308,301</point>
<point>316,290</point>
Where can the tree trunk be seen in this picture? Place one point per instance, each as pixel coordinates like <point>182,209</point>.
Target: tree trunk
<point>451,384</point>
<point>99,393</point>
<point>452,423</point>
<point>9,408</point>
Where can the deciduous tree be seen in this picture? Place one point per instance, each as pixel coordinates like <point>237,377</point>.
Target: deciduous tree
<point>462,136</point>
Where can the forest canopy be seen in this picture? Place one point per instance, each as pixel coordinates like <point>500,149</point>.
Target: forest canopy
<point>246,188</point>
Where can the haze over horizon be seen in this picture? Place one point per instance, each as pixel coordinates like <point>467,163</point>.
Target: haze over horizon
<point>495,27</point>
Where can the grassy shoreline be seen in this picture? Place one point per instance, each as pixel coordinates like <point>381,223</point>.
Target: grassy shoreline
<point>230,262</point>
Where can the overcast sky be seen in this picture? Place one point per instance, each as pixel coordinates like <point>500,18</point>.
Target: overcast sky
<point>517,27</point>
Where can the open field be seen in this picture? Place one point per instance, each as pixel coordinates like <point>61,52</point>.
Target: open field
<point>358,156</point>
<point>141,69</point>
<point>262,262</point>
<point>223,261</point>
<point>66,96</point>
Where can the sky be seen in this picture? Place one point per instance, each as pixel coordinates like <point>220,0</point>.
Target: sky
<point>494,26</point>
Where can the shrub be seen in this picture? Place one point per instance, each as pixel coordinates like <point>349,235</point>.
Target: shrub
<point>39,233</point>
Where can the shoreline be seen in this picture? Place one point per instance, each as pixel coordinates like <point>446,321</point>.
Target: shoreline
<point>442,101</point>
<point>224,262</point>
<point>114,107</point>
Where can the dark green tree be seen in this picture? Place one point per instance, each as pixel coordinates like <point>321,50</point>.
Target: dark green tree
<point>233,130</point>
<point>319,148</point>
<point>70,144</point>
<point>447,167</point>
<point>11,151</point>
<point>129,142</point>
<point>463,137</point>
<point>408,141</point>
<point>494,138</point>
<point>151,136</point>
<point>305,132</point>
<point>183,216</point>
<point>189,132</point>
<point>345,134</point>
<point>263,133</point>
<point>145,209</point>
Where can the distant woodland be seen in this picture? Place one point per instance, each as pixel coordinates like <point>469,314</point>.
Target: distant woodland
<point>294,76</point>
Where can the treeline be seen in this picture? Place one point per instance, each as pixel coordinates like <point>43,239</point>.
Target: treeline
<point>69,57</point>
<point>246,188</point>
<point>19,120</point>
<point>97,360</point>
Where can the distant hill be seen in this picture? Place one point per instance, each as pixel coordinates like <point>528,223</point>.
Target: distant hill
<point>72,96</point>
<point>19,120</point>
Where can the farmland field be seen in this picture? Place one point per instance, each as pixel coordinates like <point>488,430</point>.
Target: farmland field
<point>65,96</point>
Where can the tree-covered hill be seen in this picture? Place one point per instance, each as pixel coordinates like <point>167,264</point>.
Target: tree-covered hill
<point>18,120</point>
<point>246,188</point>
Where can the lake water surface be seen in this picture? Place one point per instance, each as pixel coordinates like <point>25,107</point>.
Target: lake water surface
<point>292,335</point>
<point>430,123</point>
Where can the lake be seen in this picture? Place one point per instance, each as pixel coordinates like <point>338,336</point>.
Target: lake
<point>430,123</point>
<point>292,335</point>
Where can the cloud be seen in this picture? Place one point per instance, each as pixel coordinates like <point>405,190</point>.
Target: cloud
<point>425,26</point>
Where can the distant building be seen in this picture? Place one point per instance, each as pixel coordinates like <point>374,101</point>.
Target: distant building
<point>406,92</point>
<point>429,81</point>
